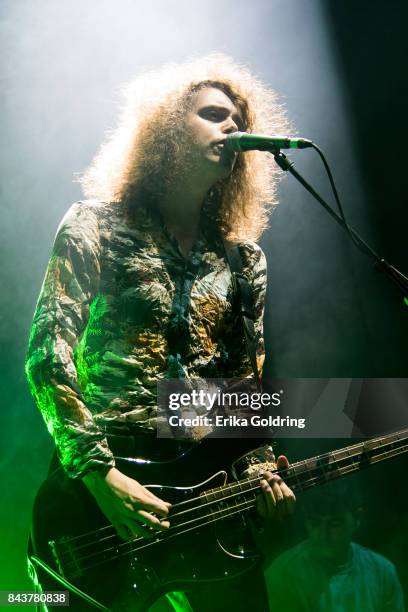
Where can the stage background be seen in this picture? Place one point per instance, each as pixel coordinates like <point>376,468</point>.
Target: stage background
<point>340,69</point>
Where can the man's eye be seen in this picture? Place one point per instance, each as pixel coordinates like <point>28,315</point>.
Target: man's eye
<point>213,114</point>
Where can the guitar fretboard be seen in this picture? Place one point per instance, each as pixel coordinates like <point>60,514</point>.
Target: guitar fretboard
<point>311,472</point>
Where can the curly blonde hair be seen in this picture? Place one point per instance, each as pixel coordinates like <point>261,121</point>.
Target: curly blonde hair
<point>137,161</point>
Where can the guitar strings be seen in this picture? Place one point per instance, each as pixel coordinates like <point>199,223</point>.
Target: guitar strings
<point>286,473</point>
<point>226,513</point>
<point>307,465</point>
<point>220,513</point>
<point>295,475</point>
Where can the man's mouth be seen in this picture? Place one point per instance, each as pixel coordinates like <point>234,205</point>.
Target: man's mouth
<point>225,154</point>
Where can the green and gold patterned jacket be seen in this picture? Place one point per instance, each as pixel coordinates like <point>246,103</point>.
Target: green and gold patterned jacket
<point>121,308</point>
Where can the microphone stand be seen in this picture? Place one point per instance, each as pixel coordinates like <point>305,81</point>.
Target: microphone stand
<point>397,277</point>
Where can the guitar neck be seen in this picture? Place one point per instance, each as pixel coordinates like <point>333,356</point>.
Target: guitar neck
<point>329,466</point>
<point>241,495</point>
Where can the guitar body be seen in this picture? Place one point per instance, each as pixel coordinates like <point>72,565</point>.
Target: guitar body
<point>109,570</point>
<point>75,548</point>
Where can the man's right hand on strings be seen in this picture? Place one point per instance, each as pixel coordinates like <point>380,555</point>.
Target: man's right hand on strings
<point>129,506</point>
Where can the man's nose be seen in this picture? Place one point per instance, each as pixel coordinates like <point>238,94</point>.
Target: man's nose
<point>230,126</point>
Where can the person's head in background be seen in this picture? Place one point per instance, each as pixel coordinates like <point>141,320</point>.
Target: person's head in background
<point>332,516</point>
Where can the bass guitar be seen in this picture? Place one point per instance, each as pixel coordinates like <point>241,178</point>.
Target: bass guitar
<point>74,547</point>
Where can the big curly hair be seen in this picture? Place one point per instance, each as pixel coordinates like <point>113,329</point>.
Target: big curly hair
<point>138,160</point>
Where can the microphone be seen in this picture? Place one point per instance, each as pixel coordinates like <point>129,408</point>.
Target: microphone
<point>241,141</point>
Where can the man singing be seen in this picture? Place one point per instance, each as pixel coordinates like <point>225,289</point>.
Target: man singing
<point>138,287</point>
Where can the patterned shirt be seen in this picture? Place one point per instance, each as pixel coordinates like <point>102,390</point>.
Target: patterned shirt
<point>121,308</point>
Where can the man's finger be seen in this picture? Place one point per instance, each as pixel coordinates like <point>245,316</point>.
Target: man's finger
<point>290,498</point>
<point>282,462</point>
<point>152,504</point>
<point>269,498</point>
<point>152,521</point>
<point>158,499</point>
<point>277,491</point>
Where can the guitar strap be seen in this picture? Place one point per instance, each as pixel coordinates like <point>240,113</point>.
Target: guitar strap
<point>244,297</point>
